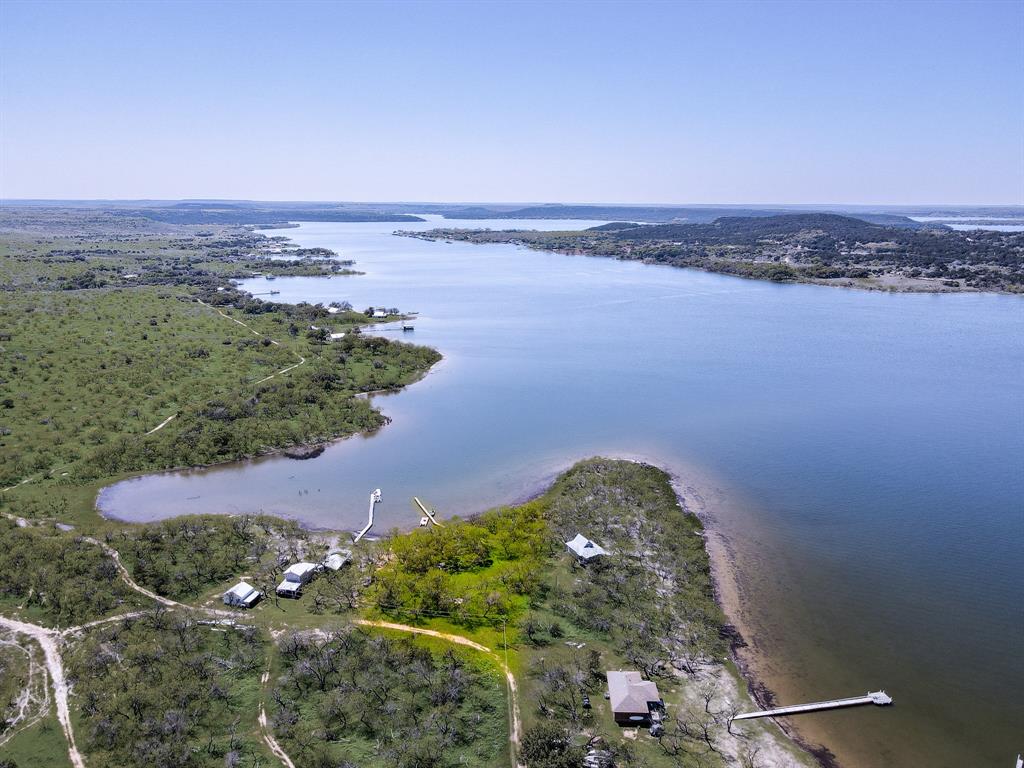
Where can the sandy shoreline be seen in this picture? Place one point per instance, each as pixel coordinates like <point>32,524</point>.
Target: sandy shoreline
<point>729,596</point>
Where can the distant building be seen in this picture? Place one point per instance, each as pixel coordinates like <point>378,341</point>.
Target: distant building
<point>380,313</point>
<point>634,701</point>
<point>242,595</point>
<point>295,577</point>
<point>585,549</point>
<point>336,336</point>
<point>335,560</point>
<point>333,310</point>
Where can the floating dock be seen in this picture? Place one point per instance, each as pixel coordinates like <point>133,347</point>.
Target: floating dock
<point>374,499</point>
<point>429,513</point>
<point>881,698</point>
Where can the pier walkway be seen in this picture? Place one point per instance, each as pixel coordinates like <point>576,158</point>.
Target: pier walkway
<point>881,698</point>
<point>429,513</point>
<point>374,499</point>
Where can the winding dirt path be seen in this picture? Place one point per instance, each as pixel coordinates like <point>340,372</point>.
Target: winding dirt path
<point>34,700</point>
<point>114,555</point>
<point>515,721</point>
<point>302,360</point>
<point>48,640</point>
<point>268,735</point>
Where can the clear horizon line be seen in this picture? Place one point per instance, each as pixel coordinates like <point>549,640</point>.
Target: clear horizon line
<point>496,202</point>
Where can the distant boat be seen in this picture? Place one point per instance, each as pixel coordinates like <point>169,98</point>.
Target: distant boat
<point>274,293</point>
<point>270,277</point>
<point>408,328</point>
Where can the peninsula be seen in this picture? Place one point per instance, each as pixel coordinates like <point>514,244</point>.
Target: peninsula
<point>823,248</point>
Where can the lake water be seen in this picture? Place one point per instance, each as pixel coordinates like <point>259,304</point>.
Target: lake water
<point>862,454</point>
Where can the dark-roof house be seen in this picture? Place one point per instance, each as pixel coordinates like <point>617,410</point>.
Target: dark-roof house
<point>633,699</point>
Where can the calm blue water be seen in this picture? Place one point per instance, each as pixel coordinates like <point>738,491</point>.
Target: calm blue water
<point>862,454</point>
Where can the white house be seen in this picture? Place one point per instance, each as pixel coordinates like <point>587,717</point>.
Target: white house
<point>333,310</point>
<point>242,595</point>
<point>336,336</point>
<point>379,313</point>
<point>585,549</point>
<point>295,576</point>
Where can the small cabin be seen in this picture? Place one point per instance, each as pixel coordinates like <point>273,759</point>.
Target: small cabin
<point>242,595</point>
<point>380,313</point>
<point>585,549</point>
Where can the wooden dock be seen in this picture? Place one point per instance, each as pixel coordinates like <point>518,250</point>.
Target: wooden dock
<point>881,698</point>
<point>429,513</point>
<point>374,499</point>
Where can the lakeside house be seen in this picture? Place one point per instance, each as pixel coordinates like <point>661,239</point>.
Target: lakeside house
<point>585,549</point>
<point>380,313</point>
<point>336,336</point>
<point>296,576</point>
<point>242,595</point>
<point>335,560</point>
<point>634,701</point>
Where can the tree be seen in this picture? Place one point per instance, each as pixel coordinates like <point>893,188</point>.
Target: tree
<point>547,745</point>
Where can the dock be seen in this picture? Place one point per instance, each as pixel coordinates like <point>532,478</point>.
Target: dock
<point>374,499</point>
<point>881,698</point>
<point>429,513</point>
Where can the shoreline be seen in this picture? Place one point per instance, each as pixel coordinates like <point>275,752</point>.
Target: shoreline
<point>888,283</point>
<point>728,596</point>
<point>727,588</point>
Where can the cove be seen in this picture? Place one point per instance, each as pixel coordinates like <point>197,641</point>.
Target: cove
<point>859,454</point>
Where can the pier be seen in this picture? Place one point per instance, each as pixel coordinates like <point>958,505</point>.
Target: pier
<point>374,499</point>
<point>429,513</point>
<point>881,698</point>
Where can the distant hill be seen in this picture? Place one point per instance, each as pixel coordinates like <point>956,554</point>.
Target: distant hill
<point>738,229</point>
<point>240,213</point>
<point>655,214</point>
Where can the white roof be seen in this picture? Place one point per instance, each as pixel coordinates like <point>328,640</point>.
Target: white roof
<point>335,560</point>
<point>241,590</point>
<point>289,586</point>
<point>333,310</point>
<point>299,569</point>
<point>629,693</point>
<point>337,335</point>
<point>584,547</point>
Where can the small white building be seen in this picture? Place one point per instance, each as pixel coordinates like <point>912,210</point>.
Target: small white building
<point>335,560</point>
<point>585,549</point>
<point>242,595</point>
<point>336,336</point>
<point>333,310</point>
<point>380,313</point>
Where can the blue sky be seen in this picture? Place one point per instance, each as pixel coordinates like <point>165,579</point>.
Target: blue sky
<point>877,103</point>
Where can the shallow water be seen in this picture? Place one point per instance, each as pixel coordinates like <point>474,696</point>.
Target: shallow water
<point>864,453</point>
